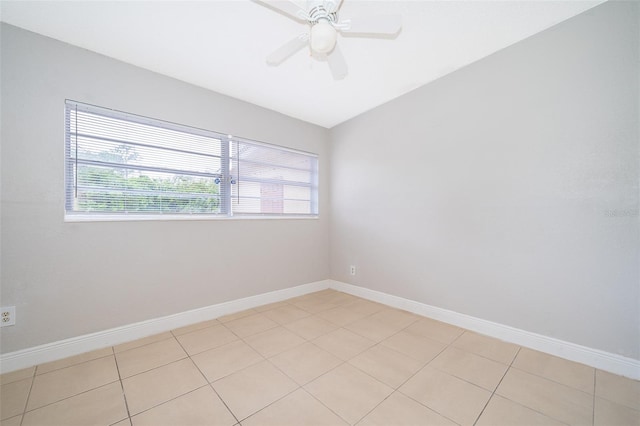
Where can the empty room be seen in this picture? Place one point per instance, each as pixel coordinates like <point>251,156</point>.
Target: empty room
<point>320,212</point>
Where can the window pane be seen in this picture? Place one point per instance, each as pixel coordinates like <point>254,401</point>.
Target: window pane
<point>273,181</point>
<point>118,165</point>
<point>113,190</point>
<point>123,164</point>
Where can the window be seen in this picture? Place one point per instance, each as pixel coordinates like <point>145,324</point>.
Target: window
<point>124,165</point>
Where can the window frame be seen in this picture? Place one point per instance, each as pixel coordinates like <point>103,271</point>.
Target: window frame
<point>225,174</point>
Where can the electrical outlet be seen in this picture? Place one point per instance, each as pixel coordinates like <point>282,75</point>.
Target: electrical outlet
<point>8,316</point>
<point>352,270</point>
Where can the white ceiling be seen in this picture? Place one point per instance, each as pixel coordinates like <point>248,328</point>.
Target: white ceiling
<point>221,45</point>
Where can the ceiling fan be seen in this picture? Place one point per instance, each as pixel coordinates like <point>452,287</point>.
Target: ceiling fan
<point>322,18</point>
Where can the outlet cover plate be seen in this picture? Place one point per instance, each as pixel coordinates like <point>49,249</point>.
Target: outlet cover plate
<point>8,316</point>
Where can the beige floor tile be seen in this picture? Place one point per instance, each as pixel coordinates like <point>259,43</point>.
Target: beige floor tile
<point>618,389</point>
<point>206,338</point>
<point>270,306</point>
<point>449,396</point>
<point>299,409</point>
<point>251,324</point>
<point>145,358</point>
<point>373,329</point>
<point>321,294</point>
<point>237,315</point>
<point>341,316</point>
<point>13,421</point>
<point>305,362</point>
<point>67,362</point>
<point>417,347</point>
<point>386,365</point>
<point>340,298</point>
<point>470,367</point>
<point>487,347</point>
<point>125,422</point>
<point>365,307</point>
<point>13,398</point>
<point>273,341</point>
<point>220,362</point>
<point>343,343</point>
<point>399,410</point>
<point>314,305</point>
<point>609,413</point>
<point>311,327</point>
<point>304,297</point>
<point>250,390</point>
<point>435,330</point>
<point>200,407</point>
<point>101,406</point>
<point>501,411</point>
<point>559,370</point>
<point>70,381</point>
<point>194,327</point>
<point>552,399</point>
<point>348,392</point>
<point>14,376</point>
<point>151,388</point>
<point>396,317</point>
<point>286,314</point>
<point>141,342</point>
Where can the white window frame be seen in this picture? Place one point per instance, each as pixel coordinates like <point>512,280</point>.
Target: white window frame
<point>227,175</point>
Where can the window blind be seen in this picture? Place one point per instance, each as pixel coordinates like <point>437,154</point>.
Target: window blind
<point>123,164</point>
<point>273,181</point>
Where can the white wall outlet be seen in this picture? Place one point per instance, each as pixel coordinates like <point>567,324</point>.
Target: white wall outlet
<point>352,269</point>
<point>8,316</point>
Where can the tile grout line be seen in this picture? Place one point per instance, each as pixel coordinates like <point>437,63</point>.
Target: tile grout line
<point>63,399</point>
<point>169,400</point>
<point>298,386</point>
<point>323,404</point>
<point>497,386</point>
<point>549,379</point>
<point>69,397</point>
<point>310,341</point>
<point>397,389</point>
<point>26,403</point>
<point>311,314</point>
<point>526,406</point>
<point>593,411</point>
<point>124,395</point>
<point>413,375</point>
<point>268,405</point>
<point>374,345</point>
<point>302,387</point>
<point>210,384</point>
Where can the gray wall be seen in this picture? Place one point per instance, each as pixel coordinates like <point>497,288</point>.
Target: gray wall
<point>68,279</point>
<point>507,190</point>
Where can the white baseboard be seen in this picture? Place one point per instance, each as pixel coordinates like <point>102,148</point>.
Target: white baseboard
<point>602,360</point>
<point>76,345</point>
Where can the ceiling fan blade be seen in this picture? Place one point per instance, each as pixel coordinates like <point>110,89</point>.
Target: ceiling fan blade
<point>279,55</point>
<point>337,64</point>
<point>289,8</point>
<point>374,24</point>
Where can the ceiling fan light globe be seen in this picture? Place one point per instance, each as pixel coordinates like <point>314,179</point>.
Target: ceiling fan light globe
<point>323,37</point>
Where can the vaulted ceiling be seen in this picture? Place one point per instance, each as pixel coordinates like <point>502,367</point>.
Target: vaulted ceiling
<point>222,45</point>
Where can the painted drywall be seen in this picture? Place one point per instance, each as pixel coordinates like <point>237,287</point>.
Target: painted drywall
<point>69,279</point>
<point>507,190</point>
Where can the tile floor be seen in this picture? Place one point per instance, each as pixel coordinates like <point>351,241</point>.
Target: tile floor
<point>326,358</point>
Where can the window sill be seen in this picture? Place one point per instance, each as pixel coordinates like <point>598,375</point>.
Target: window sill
<point>135,218</point>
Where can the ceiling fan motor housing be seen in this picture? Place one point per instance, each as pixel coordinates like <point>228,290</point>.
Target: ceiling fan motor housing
<point>320,13</point>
